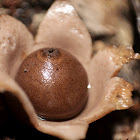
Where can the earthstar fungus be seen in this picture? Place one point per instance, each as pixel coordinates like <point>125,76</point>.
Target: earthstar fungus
<point>106,91</point>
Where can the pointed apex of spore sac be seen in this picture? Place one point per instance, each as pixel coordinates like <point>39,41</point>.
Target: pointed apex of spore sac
<point>49,52</point>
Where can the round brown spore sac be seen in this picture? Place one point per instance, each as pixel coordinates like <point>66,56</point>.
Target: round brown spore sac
<point>55,82</point>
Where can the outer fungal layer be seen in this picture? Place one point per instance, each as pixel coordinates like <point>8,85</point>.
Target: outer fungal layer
<point>14,45</point>
<point>55,81</point>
